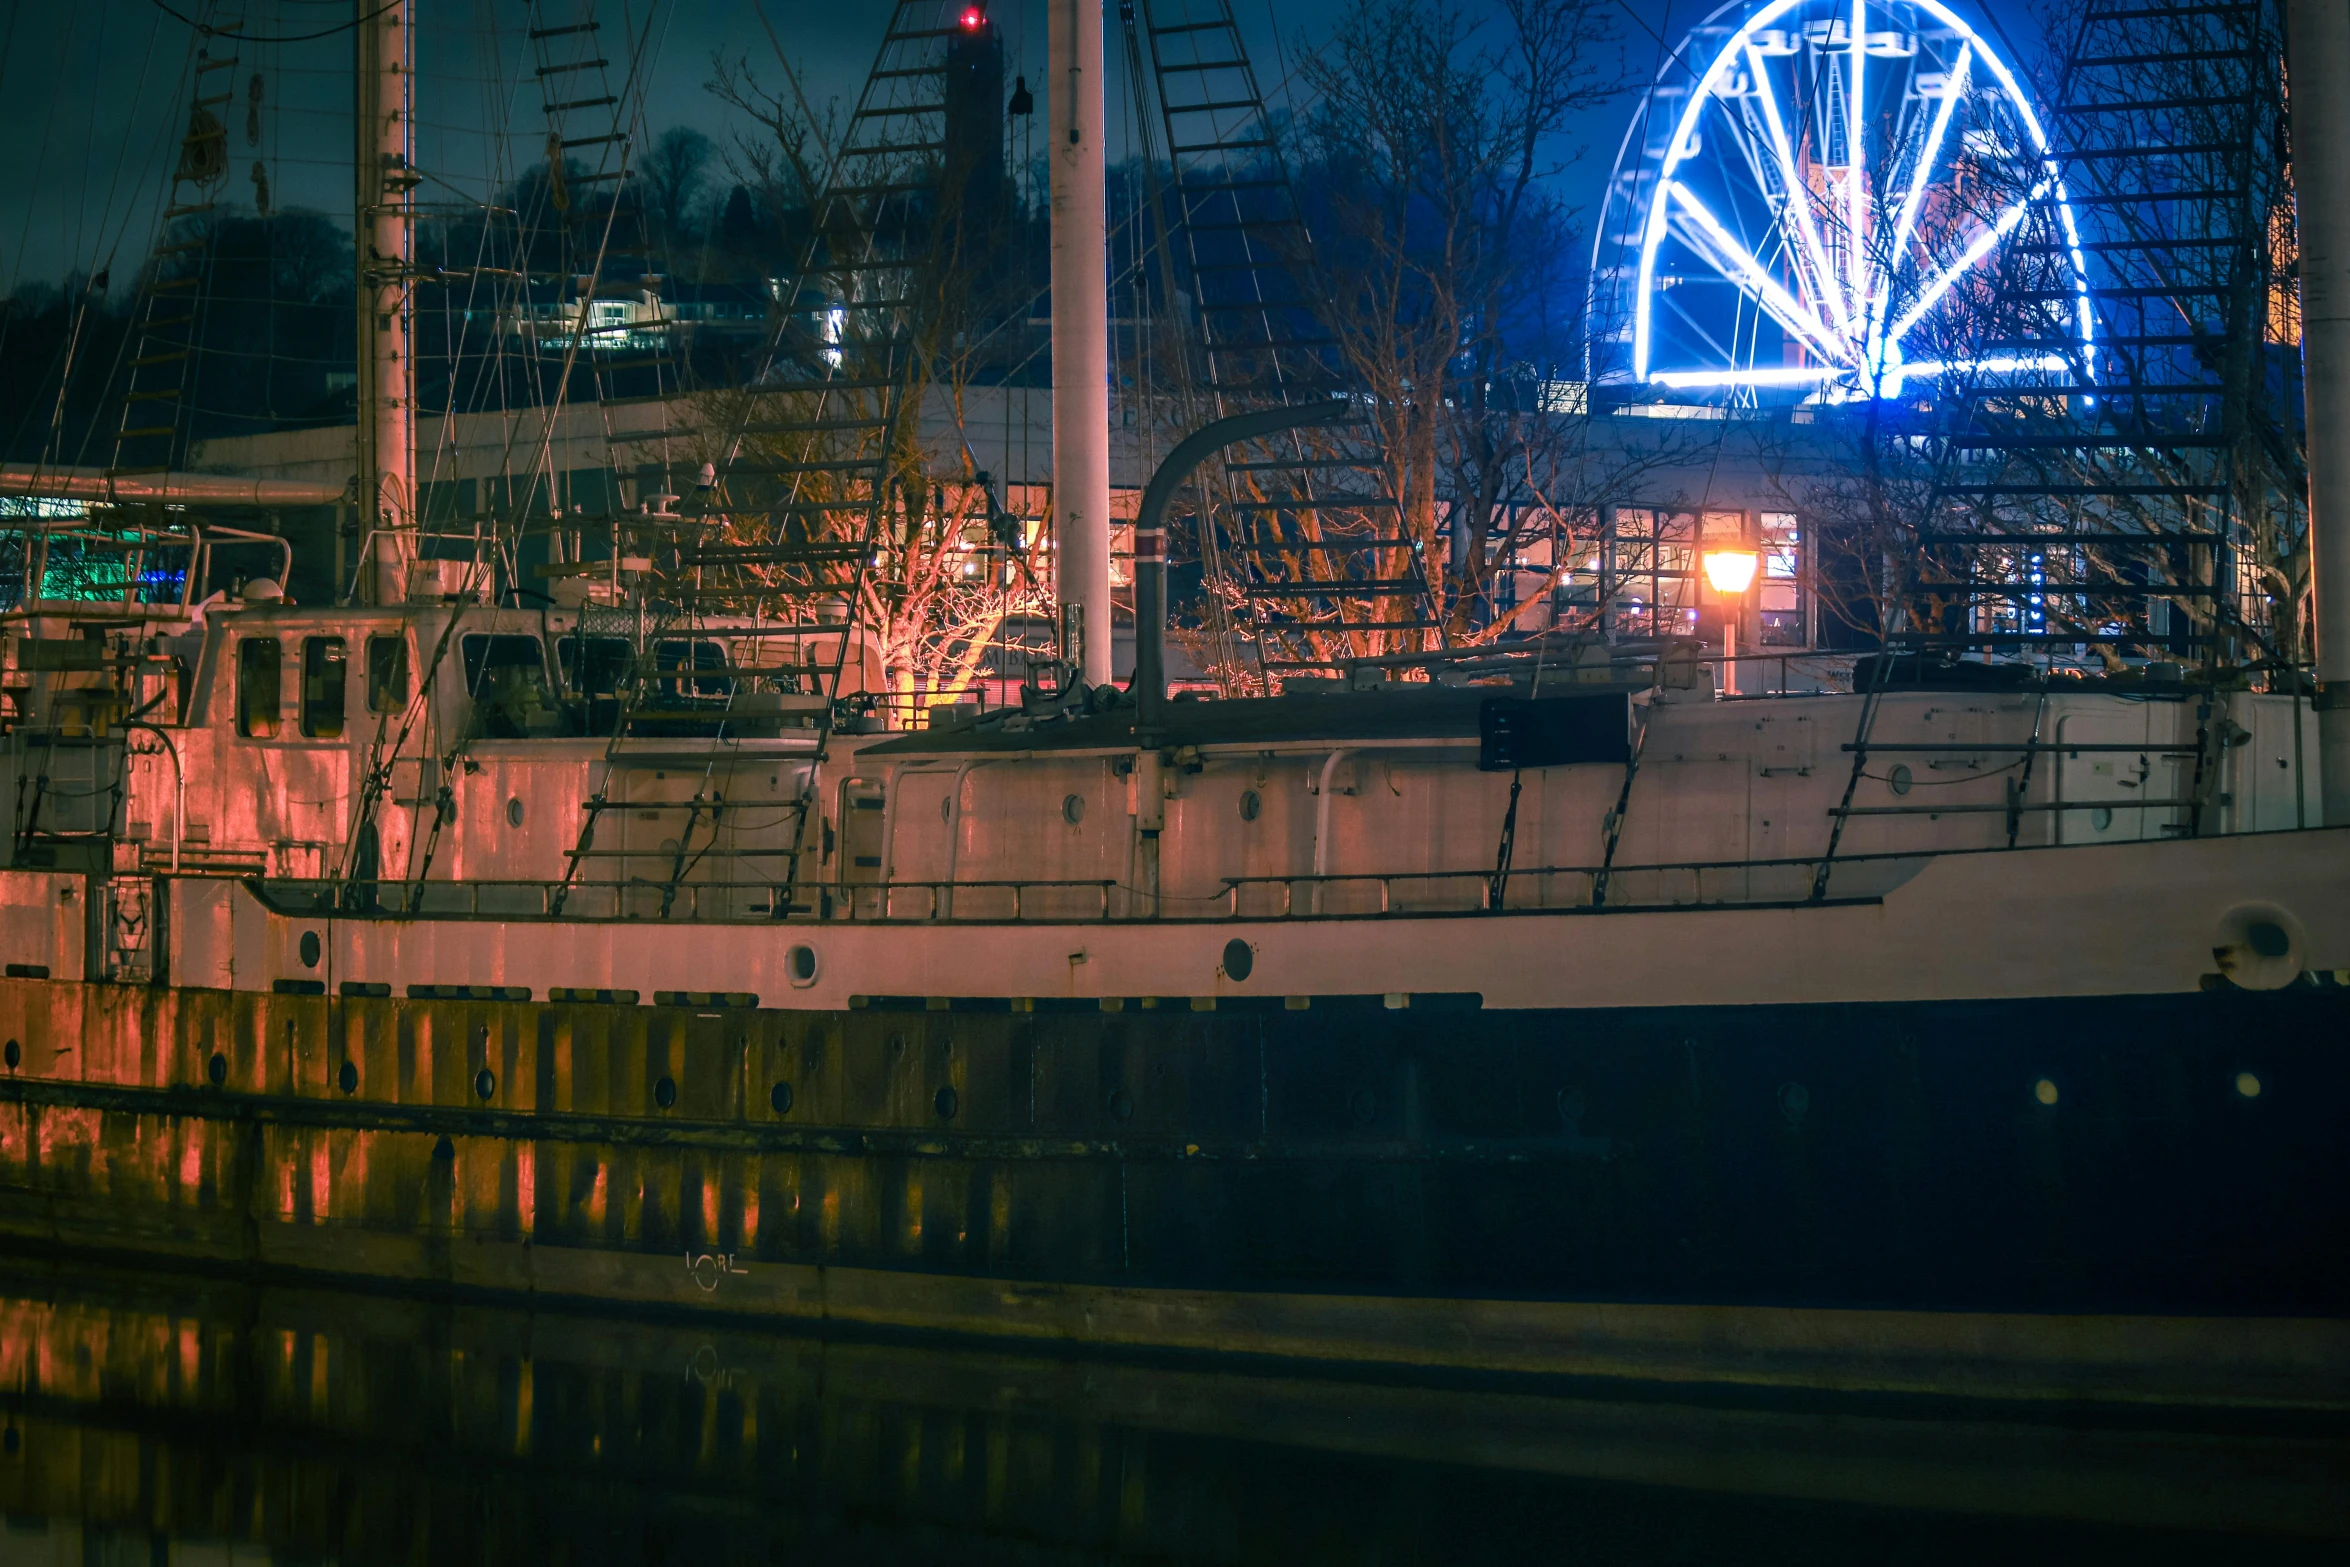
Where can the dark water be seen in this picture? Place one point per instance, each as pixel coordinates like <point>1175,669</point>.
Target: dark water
<point>152,1419</point>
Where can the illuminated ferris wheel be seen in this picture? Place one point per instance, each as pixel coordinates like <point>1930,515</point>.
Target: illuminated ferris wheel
<point>1835,197</point>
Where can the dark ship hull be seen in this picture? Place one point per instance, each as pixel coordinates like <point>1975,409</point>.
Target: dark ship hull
<point>1546,1190</point>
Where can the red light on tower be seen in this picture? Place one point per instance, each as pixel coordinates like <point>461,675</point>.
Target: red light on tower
<point>974,18</point>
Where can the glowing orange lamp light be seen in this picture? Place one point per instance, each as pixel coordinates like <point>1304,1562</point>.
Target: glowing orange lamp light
<point>1731,573</point>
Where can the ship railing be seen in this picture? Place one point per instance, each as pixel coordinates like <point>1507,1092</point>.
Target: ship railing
<point>898,902</point>
<point>550,900</point>
<point>1550,888</point>
<point>1676,884</point>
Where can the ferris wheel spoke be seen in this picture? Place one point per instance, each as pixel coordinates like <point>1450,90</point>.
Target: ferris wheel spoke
<point>1913,201</point>
<point>1706,235</point>
<point>1857,164</point>
<point>1984,243</point>
<point>1819,277</point>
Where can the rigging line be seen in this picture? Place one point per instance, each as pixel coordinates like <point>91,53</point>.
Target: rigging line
<point>104,263</point>
<point>631,81</point>
<point>759,9</point>
<point>292,38</point>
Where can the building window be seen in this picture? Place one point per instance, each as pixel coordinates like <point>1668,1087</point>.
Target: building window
<point>1651,584</point>
<point>387,674</point>
<point>258,695</point>
<point>324,660</point>
<point>1786,617</point>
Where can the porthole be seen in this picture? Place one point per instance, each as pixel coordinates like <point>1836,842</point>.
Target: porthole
<point>14,1055</point>
<point>1240,960</point>
<point>217,1069</point>
<point>799,966</point>
<point>1252,805</point>
<point>779,1098</point>
<point>1898,780</point>
<point>2044,1092</point>
<point>485,1083</point>
<point>946,1102</point>
<point>2101,818</point>
<point>348,1078</point>
<point>665,1093</point>
<point>1073,808</point>
<point>2247,1085</point>
<point>946,808</point>
<point>1794,1102</point>
<point>514,812</point>
<point>1121,1105</point>
<point>310,949</point>
<point>1571,1108</point>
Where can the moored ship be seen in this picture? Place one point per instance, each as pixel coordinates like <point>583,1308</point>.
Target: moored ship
<point>1553,1005</point>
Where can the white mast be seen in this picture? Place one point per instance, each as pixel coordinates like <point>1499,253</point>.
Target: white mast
<point>385,244</point>
<point>1081,327</point>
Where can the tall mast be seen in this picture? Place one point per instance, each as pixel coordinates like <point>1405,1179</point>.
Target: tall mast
<point>1081,328</point>
<point>384,232</point>
<point>2319,49</point>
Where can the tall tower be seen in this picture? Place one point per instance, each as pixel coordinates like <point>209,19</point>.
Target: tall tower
<point>385,246</point>
<point>975,115</point>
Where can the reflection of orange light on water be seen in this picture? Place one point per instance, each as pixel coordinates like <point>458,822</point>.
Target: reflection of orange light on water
<point>596,1200</point>
<point>526,1186</point>
<point>191,1348</point>
<point>321,1180</point>
<point>191,1159</point>
<point>750,1213</point>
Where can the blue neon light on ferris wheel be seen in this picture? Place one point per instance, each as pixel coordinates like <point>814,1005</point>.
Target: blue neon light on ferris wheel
<point>1801,234</point>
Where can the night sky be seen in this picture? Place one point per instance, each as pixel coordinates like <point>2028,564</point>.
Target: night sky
<point>93,99</point>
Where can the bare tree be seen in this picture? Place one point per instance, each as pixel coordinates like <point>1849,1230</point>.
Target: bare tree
<point>674,170</point>
<point>1426,160</point>
<point>885,308</point>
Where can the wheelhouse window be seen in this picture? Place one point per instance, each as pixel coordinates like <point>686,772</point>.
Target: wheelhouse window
<point>681,661</point>
<point>259,668</point>
<point>593,666</point>
<point>387,674</point>
<point>507,678</point>
<point>595,671</point>
<point>325,664</point>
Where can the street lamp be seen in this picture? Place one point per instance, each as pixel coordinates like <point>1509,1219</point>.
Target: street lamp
<point>1731,573</point>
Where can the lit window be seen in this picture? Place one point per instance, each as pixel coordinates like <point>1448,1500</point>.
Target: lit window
<point>1785,617</point>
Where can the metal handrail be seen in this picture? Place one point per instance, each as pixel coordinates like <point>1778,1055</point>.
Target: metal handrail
<point>735,902</point>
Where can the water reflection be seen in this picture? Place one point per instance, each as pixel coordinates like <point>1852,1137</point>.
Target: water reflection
<point>165,1420</point>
